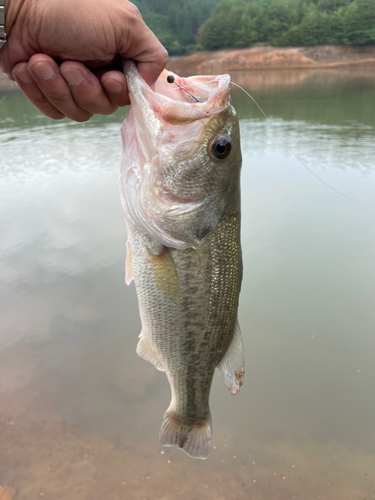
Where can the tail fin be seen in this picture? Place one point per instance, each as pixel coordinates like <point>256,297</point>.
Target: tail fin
<point>195,440</point>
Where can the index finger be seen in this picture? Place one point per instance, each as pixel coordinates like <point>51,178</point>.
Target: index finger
<point>138,42</point>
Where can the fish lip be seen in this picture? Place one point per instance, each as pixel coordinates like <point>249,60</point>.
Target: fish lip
<point>218,96</point>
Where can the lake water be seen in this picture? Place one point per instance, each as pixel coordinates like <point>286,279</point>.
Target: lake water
<point>80,412</point>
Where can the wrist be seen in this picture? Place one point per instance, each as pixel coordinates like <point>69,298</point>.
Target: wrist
<point>13,10</point>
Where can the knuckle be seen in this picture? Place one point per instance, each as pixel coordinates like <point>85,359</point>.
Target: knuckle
<point>95,105</point>
<point>60,98</point>
<point>86,102</point>
<point>40,102</point>
<point>48,110</point>
<point>163,56</point>
<point>133,11</point>
<point>158,51</point>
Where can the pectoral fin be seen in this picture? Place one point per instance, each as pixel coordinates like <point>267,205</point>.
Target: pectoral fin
<point>144,351</point>
<point>165,273</point>
<point>129,276</point>
<point>232,366</point>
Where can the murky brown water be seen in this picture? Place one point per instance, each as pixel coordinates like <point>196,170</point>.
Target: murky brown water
<point>80,412</point>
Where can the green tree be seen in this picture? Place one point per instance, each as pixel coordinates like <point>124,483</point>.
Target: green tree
<point>219,31</point>
<point>360,23</point>
<point>274,17</point>
<point>216,24</point>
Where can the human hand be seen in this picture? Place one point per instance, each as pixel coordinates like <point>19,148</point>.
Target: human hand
<point>83,34</point>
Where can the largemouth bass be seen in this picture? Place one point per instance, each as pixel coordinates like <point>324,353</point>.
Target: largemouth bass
<point>180,190</point>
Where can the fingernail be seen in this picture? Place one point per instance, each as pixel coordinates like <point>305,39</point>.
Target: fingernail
<point>22,74</point>
<point>113,86</point>
<point>73,76</point>
<point>43,70</point>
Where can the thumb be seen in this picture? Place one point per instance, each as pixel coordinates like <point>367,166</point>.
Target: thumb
<point>139,43</point>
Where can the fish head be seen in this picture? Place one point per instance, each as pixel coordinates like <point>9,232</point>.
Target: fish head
<point>181,156</point>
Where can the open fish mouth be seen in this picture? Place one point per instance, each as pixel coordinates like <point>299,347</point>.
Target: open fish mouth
<point>183,100</point>
<point>193,90</point>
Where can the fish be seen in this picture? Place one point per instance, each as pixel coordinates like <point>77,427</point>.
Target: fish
<point>180,191</point>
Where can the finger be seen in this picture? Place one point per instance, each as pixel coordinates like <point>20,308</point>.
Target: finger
<point>86,89</point>
<point>139,43</point>
<point>116,87</point>
<point>153,62</point>
<point>150,71</point>
<point>31,90</point>
<point>47,76</point>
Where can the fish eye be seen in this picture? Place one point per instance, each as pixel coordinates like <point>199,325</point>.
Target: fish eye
<point>221,147</point>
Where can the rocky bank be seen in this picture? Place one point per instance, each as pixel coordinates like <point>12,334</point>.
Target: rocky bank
<point>264,58</point>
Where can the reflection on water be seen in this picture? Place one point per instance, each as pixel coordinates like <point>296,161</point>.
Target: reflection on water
<point>80,411</point>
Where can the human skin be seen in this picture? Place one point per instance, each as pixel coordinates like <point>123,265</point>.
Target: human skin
<point>87,38</point>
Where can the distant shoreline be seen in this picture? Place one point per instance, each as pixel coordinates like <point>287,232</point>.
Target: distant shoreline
<point>263,58</point>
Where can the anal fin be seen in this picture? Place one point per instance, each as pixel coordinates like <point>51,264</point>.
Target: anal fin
<point>232,366</point>
<point>144,351</point>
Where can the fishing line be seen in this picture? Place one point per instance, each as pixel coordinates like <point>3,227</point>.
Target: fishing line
<point>183,87</point>
<point>170,79</point>
<point>285,144</point>
<point>298,158</point>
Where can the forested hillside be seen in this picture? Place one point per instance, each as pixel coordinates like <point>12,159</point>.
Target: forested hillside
<point>240,23</point>
<point>187,25</point>
<point>176,22</point>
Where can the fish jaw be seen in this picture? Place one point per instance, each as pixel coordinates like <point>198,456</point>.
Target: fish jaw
<point>164,140</point>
